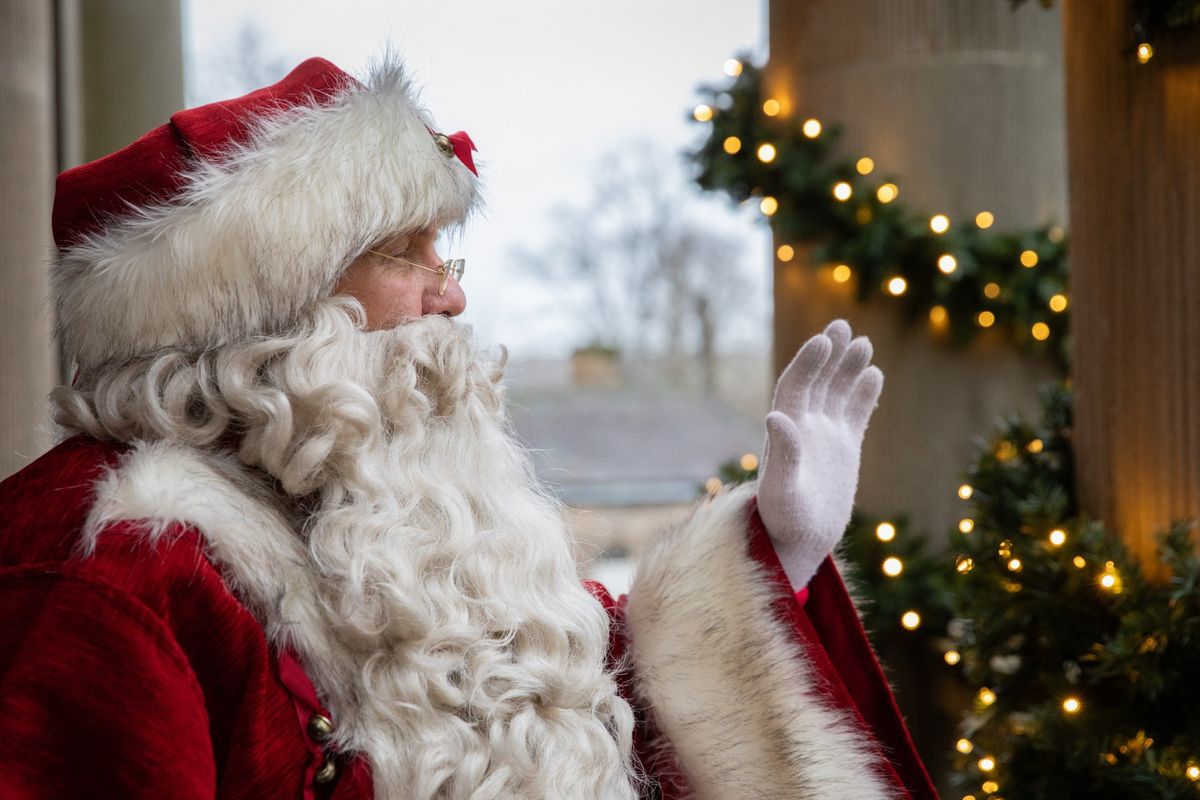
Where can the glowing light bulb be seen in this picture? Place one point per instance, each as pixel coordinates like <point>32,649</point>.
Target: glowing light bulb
<point>865,166</point>
<point>984,219</point>
<point>1015,565</point>
<point>1058,537</point>
<point>964,746</point>
<point>1144,52</point>
<point>897,286</point>
<point>947,263</point>
<point>911,620</point>
<point>1058,303</point>
<point>1108,580</point>
<point>771,107</point>
<point>966,525</point>
<point>1079,561</point>
<point>842,191</point>
<point>892,566</point>
<point>1040,331</point>
<point>766,153</point>
<point>938,316</point>
<point>768,206</point>
<point>986,319</point>
<point>811,128</point>
<point>992,290</point>
<point>732,144</point>
<point>1193,772</point>
<point>964,564</point>
<point>785,253</point>
<point>987,696</point>
<point>952,657</point>
<point>1029,259</point>
<point>887,192</point>
<point>733,67</point>
<point>885,531</point>
<point>1071,705</point>
<point>987,764</point>
<point>939,223</point>
<point>965,491</point>
<point>1035,446</point>
<point>712,485</point>
<point>703,113</point>
<point>990,786</point>
<point>749,462</point>
<point>842,273</point>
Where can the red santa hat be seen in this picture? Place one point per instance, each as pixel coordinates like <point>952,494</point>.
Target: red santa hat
<point>232,218</point>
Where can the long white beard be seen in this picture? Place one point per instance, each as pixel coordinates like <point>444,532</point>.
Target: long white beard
<point>464,657</point>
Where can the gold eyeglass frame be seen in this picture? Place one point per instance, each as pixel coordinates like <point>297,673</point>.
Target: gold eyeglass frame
<point>450,267</point>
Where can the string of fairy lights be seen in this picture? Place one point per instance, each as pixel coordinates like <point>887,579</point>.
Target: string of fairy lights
<point>1024,548</point>
<point>962,278</point>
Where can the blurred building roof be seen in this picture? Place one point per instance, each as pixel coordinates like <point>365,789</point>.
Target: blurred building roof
<point>624,445</point>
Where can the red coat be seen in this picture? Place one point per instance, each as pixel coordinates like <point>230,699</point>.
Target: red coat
<point>135,672</point>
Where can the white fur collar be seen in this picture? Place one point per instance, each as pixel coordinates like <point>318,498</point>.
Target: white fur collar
<point>723,679</point>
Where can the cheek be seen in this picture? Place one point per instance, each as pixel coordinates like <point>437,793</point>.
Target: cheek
<point>392,301</point>
<point>389,297</point>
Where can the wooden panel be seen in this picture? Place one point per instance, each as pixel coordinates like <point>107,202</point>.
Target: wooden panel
<point>1134,160</point>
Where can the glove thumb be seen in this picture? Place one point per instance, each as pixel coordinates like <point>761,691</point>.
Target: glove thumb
<point>783,440</point>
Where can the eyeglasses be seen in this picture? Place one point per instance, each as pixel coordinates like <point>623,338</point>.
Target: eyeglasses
<point>453,267</point>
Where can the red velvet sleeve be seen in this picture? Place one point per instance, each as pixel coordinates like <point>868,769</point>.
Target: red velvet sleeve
<point>828,627</point>
<point>97,698</point>
<point>825,624</point>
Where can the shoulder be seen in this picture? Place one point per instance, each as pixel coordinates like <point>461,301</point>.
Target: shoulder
<point>44,505</point>
<point>98,520</point>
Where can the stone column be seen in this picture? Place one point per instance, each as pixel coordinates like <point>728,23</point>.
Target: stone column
<point>132,70</point>
<point>1134,144</point>
<point>962,101</point>
<point>27,140</point>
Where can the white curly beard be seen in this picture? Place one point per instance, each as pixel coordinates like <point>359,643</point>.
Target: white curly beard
<point>459,651</point>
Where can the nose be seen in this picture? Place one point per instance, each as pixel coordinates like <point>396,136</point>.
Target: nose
<point>451,303</point>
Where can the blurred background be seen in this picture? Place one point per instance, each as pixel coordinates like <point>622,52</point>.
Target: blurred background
<point>679,194</point>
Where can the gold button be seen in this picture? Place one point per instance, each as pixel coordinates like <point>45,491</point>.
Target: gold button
<point>320,727</point>
<point>326,772</point>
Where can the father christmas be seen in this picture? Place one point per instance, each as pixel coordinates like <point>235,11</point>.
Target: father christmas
<point>291,550</point>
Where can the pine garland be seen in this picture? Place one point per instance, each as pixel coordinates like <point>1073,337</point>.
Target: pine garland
<point>958,282</point>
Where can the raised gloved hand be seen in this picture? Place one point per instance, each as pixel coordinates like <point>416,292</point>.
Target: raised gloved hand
<point>809,474</point>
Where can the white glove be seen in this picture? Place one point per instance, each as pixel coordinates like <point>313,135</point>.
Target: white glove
<point>806,486</point>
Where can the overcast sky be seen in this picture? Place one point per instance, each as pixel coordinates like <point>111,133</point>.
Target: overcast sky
<point>544,87</point>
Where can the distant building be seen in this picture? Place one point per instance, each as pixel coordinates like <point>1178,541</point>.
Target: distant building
<point>628,459</point>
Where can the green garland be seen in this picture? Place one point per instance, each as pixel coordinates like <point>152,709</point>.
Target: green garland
<point>1085,673</point>
<point>876,241</point>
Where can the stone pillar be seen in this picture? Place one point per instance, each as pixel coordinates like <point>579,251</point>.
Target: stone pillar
<point>80,79</point>
<point>1134,137</point>
<point>963,102</point>
<point>27,140</point>
<point>132,70</point>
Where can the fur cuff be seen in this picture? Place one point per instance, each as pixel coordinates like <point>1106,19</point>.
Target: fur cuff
<point>724,680</point>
